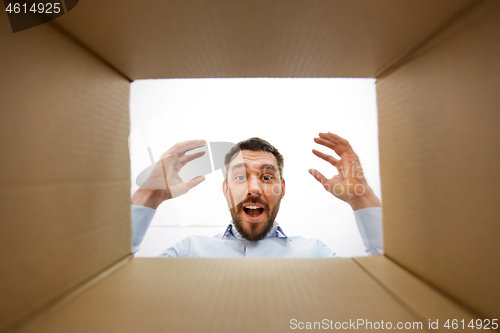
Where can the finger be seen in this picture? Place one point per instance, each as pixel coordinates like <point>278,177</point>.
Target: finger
<point>330,159</point>
<point>339,149</point>
<point>335,137</point>
<point>193,182</point>
<point>328,137</point>
<point>188,158</point>
<point>337,140</point>
<point>181,148</point>
<point>319,177</point>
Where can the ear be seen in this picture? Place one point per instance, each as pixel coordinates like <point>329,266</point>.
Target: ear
<point>282,188</point>
<point>225,188</point>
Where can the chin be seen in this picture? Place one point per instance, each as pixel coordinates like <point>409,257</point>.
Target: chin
<point>254,228</point>
<point>254,231</point>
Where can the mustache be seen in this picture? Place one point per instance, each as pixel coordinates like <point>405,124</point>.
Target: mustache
<point>239,207</point>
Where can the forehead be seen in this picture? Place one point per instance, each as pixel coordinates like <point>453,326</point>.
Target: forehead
<point>254,158</point>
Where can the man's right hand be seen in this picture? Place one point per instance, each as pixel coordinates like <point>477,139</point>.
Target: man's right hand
<point>164,183</point>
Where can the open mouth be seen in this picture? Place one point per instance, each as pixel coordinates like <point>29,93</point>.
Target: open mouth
<point>253,213</point>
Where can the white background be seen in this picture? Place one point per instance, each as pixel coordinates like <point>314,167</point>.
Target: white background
<point>288,113</point>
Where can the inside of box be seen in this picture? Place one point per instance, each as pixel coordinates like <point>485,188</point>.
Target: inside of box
<point>252,295</point>
<point>65,91</point>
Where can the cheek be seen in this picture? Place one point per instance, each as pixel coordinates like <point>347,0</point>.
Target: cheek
<point>273,191</point>
<point>238,193</point>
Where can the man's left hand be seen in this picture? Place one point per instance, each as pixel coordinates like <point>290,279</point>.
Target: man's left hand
<point>350,184</point>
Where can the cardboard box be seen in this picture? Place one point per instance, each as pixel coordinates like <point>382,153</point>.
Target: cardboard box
<point>65,234</point>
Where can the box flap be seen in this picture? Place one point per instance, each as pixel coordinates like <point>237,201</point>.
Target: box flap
<point>255,38</point>
<point>225,295</point>
<point>65,200</point>
<point>420,298</point>
<point>439,162</point>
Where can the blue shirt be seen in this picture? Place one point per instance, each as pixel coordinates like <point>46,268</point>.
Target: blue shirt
<point>276,244</point>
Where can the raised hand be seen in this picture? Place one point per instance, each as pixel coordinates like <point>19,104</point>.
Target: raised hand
<point>162,181</point>
<point>349,184</point>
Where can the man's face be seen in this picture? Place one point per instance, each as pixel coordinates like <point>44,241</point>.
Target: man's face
<point>254,190</point>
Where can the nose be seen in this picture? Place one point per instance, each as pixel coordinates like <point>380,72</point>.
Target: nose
<point>254,186</point>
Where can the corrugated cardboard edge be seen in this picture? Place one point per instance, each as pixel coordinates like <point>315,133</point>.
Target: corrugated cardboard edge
<point>444,101</point>
<point>87,48</point>
<point>147,276</point>
<point>206,295</point>
<point>446,30</point>
<point>268,38</point>
<point>66,168</point>
<point>419,298</point>
<point>58,303</point>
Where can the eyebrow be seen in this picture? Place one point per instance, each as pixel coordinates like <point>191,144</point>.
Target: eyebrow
<point>263,166</point>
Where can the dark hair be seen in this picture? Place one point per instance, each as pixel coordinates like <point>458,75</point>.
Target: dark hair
<point>255,144</point>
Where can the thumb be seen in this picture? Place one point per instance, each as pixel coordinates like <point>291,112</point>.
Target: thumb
<point>319,177</point>
<point>193,182</point>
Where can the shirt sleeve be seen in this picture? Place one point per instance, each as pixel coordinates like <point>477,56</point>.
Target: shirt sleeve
<point>179,249</point>
<point>369,221</point>
<point>141,219</point>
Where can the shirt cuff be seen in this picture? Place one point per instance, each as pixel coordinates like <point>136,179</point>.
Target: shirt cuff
<point>141,219</point>
<point>369,222</point>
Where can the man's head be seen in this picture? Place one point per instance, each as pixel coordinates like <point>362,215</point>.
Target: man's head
<point>254,186</point>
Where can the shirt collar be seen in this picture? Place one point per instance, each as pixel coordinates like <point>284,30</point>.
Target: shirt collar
<point>275,232</point>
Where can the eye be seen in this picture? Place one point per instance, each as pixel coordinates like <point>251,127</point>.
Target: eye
<point>240,178</point>
<point>267,177</point>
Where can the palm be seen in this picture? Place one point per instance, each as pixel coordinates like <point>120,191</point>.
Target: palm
<point>349,182</point>
<point>165,179</point>
<point>173,167</point>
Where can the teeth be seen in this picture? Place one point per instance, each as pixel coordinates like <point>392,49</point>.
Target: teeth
<point>252,207</point>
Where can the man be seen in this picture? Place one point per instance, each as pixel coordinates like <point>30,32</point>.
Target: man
<point>254,187</point>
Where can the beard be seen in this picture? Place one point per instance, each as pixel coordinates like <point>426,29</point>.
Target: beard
<point>254,234</point>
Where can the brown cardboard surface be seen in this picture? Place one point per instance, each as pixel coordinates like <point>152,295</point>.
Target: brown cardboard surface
<point>439,139</point>
<point>255,38</point>
<point>224,295</point>
<point>64,203</point>
<point>424,301</point>
<point>65,172</point>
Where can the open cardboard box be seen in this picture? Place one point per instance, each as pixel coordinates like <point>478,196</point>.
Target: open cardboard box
<point>65,235</point>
